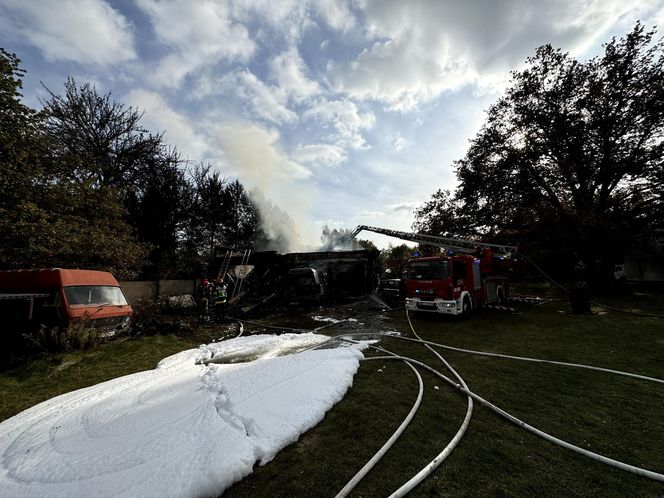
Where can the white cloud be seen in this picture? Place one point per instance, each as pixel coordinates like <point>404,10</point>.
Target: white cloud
<point>658,18</point>
<point>320,154</point>
<point>371,215</point>
<point>199,34</point>
<point>336,13</point>
<point>243,90</point>
<point>424,48</point>
<point>399,142</point>
<point>159,116</point>
<point>330,223</point>
<point>274,13</point>
<point>404,206</point>
<point>84,31</point>
<point>266,102</point>
<point>289,71</point>
<point>346,119</point>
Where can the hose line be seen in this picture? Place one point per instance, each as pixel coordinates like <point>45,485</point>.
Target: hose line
<point>388,444</point>
<point>590,454</point>
<point>511,357</point>
<point>435,463</point>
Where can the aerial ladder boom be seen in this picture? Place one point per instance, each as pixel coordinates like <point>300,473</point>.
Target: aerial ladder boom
<point>461,245</point>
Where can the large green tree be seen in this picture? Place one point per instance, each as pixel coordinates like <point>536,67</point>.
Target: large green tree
<point>97,139</point>
<point>21,159</point>
<point>570,158</point>
<point>241,217</point>
<point>159,204</point>
<point>49,217</point>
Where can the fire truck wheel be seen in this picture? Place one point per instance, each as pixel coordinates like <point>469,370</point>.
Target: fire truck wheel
<point>465,308</point>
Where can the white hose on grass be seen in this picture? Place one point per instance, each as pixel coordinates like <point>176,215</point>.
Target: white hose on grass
<point>590,454</point>
<point>511,357</point>
<point>388,444</point>
<point>435,463</point>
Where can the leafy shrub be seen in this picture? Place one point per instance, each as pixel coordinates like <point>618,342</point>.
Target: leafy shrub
<point>77,335</point>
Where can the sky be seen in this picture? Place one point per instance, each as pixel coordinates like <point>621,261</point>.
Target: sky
<point>341,112</point>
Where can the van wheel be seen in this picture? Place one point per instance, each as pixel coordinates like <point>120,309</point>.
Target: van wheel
<point>465,308</point>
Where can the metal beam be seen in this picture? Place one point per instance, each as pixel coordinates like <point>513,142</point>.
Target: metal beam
<point>462,245</point>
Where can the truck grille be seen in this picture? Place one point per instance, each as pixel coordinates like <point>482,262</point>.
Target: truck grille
<point>108,324</point>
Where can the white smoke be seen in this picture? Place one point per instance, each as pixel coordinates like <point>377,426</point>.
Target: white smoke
<point>338,239</point>
<point>276,184</point>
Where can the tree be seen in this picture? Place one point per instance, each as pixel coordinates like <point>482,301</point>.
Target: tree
<point>159,205</point>
<point>98,140</point>
<point>571,157</point>
<point>337,239</point>
<point>443,215</point>
<point>207,216</point>
<point>394,258</point>
<point>22,150</point>
<point>241,217</point>
<point>48,218</point>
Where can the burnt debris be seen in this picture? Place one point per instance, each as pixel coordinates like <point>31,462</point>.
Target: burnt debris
<point>296,279</point>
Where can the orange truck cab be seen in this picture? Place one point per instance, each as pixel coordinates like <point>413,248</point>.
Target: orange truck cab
<point>56,297</point>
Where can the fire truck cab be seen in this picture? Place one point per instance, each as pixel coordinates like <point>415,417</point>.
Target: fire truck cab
<point>455,284</point>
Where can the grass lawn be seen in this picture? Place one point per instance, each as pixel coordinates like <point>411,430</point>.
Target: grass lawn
<point>619,417</point>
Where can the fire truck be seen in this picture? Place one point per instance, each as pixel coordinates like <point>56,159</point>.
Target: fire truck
<point>468,275</point>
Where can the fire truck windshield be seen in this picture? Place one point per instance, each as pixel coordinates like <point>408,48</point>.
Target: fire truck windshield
<point>427,270</point>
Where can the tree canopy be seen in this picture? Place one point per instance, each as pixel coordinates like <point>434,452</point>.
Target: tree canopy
<point>570,158</point>
<point>83,184</point>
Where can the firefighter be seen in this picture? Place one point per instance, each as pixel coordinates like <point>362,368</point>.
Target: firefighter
<point>219,300</point>
<point>204,294</point>
<point>579,295</point>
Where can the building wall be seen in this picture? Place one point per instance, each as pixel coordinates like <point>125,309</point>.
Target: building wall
<point>150,290</point>
<point>649,269</point>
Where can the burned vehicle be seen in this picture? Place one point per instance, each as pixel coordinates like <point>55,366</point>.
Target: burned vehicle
<point>305,287</point>
<point>294,279</point>
<point>392,289</point>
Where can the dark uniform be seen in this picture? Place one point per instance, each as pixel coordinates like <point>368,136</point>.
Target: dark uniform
<point>204,294</point>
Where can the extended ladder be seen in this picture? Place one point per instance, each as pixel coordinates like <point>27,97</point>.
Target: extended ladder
<point>462,245</point>
<point>223,269</point>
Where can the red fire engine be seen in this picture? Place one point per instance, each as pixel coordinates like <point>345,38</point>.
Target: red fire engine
<point>454,284</point>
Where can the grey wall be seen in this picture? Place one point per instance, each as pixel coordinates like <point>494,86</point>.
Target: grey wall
<point>644,268</point>
<point>150,290</point>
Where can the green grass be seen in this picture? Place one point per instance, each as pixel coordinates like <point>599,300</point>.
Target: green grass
<point>618,417</point>
<point>615,416</point>
<point>26,382</point>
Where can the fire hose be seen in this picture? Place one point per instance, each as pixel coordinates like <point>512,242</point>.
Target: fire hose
<point>461,387</point>
<point>388,444</point>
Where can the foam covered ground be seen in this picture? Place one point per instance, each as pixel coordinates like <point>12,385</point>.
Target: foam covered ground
<point>182,429</point>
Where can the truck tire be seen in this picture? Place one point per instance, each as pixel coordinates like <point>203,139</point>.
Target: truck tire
<point>466,308</point>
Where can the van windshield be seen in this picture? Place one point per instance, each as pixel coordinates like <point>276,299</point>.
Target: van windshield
<point>427,270</point>
<point>95,295</point>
